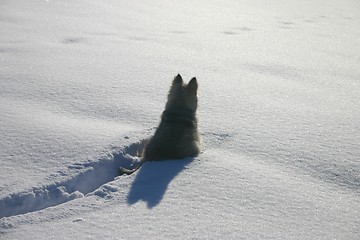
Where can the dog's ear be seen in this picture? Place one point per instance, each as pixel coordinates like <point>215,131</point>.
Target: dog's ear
<point>177,80</point>
<point>193,86</point>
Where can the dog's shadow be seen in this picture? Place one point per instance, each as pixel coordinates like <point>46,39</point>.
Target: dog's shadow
<point>153,179</point>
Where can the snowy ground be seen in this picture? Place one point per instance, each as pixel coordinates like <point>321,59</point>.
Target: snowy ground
<point>83,82</point>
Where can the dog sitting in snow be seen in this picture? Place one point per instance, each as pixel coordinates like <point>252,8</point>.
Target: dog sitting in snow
<point>177,135</point>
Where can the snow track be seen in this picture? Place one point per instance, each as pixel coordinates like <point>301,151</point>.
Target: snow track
<point>90,176</point>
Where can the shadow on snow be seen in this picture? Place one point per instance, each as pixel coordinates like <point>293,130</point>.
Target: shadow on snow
<point>153,179</point>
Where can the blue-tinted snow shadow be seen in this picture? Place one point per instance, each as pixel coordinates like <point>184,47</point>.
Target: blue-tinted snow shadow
<point>153,179</point>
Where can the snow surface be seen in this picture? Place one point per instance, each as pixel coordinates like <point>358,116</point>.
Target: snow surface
<point>82,83</point>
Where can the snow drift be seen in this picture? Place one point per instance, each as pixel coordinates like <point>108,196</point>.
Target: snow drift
<point>83,82</point>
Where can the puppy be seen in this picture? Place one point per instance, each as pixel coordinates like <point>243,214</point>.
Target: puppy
<point>177,135</point>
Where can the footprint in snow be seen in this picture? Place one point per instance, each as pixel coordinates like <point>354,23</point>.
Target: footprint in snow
<point>91,177</point>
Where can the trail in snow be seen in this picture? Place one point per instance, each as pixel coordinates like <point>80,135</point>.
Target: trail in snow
<point>92,175</point>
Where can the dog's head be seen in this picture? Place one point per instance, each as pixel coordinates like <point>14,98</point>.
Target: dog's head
<point>182,95</point>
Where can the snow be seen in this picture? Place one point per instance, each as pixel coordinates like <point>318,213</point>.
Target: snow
<point>83,83</point>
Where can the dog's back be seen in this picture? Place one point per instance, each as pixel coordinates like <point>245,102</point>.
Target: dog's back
<point>177,135</point>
